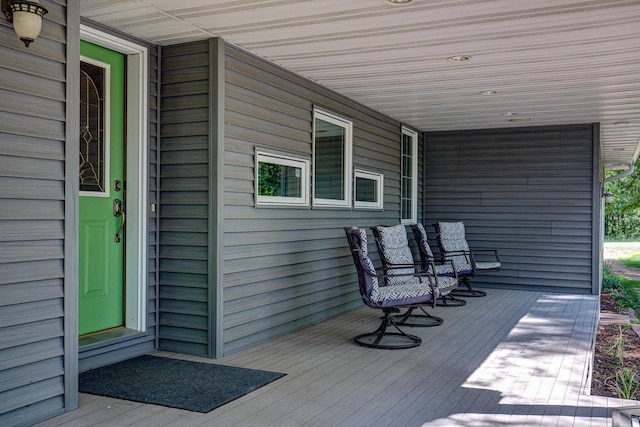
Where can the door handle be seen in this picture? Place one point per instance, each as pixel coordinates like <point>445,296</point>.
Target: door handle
<point>118,210</point>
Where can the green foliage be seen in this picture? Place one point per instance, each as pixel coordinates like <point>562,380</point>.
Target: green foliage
<point>626,384</point>
<point>625,291</point>
<point>269,179</point>
<point>617,348</point>
<point>629,295</point>
<point>611,283</point>
<point>622,216</point>
<point>606,269</point>
<point>632,261</point>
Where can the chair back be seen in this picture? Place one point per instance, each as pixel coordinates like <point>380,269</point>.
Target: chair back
<point>393,247</point>
<point>453,244</point>
<point>426,254</point>
<point>367,277</point>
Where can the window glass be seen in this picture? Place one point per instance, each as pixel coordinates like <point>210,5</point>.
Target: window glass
<point>409,187</point>
<point>331,160</point>
<point>93,168</point>
<point>281,179</point>
<point>369,190</point>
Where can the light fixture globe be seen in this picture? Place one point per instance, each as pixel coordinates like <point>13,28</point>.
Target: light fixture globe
<point>608,196</point>
<point>398,2</point>
<point>26,17</point>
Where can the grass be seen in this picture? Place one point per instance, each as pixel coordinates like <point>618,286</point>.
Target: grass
<point>629,295</point>
<point>626,291</point>
<point>632,261</point>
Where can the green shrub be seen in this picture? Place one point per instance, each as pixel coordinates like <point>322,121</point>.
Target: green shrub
<point>617,348</point>
<point>606,269</point>
<point>627,300</point>
<point>626,384</point>
<point>629,295</point>
<point>611,283</point>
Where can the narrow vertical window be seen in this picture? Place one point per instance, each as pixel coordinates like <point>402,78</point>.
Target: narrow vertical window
<point>409,182</point>
<point>331,160</point>
<point>94,147</point>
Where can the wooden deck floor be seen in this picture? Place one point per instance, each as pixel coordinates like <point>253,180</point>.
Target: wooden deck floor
<point>512,358</point>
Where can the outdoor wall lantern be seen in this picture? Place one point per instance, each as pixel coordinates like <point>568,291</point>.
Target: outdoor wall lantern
<point>26,17</point>
<point>399,2</point>
<point>608,196</point>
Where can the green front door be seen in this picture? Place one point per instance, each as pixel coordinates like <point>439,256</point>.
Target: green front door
<point>101,219</point>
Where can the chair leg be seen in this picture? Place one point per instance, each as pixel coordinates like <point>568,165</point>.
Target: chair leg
<point>418,320</point>
<point>450,301</point>
<point>469,292</point>
<point>398,340</point>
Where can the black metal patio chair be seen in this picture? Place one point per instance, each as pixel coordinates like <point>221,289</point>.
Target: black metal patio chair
<point>451,238</point>
<point>445,269</point>
<point>389,299</point>
<point>399,265</point>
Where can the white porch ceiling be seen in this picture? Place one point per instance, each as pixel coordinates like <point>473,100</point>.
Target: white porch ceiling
<point>553,61</point>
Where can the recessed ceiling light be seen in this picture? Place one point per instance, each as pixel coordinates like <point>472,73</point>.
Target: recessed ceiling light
<point>510,114</point>
<point>459,58</point>
<point>398,2</point>
<point>521,119</point>
<point>489,92</point>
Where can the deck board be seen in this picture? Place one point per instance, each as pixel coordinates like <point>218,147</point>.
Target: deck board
<point>511,358</point>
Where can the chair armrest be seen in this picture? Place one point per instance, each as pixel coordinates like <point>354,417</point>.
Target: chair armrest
<point>453,267</point>
<point>431,278</point>
<point>417,267</point>
<point>443,261</point>
<point>490,252</point>
<point>448,253</point>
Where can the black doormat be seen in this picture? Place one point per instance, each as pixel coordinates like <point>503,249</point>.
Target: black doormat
<point>198,387</point>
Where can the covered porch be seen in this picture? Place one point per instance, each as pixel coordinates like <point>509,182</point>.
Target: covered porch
<point>512,358</point>
<point>504,115</point>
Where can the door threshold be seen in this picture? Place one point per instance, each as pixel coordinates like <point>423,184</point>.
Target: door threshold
<point>109,337</point>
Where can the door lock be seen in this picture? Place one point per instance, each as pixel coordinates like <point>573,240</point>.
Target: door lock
<point>118,211</point>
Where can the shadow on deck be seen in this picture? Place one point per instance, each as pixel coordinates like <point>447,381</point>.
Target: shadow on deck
<point>515,358</point>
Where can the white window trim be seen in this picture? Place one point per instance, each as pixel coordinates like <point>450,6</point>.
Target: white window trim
<point>303,164</point>
<point>414,181</point>
<point>379,179</point>
<point>348,178</point>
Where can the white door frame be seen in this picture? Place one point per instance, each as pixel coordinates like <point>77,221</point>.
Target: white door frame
<point>137,79</point>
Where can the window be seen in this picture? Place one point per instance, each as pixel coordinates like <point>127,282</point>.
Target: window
<point>94,128</point>
<point>331,160</point>
<point>281,180</point>
<point>369,190</point>
<point>409,183</point>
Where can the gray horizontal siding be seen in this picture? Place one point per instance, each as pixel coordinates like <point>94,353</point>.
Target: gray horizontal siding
<point>184,171</point>
<point>32,200</point>
<point>149,342</point>
<point>115,351</point>
<point>286,269</point>
<point>526,192</point>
